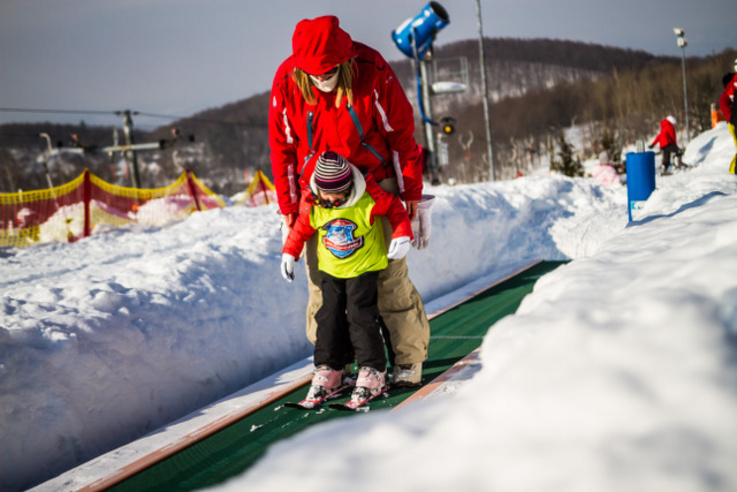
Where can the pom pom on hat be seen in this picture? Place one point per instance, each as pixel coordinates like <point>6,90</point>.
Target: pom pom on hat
<point>332,173</point>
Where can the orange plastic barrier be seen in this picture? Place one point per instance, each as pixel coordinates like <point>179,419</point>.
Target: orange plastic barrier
<point>716,117</point>
<point>88,204</point>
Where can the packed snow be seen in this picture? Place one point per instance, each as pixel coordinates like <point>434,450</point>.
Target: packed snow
<point>616,373</point>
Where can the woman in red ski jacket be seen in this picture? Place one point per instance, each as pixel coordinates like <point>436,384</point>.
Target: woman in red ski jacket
<point>370,123</point>
<point>339,95</point>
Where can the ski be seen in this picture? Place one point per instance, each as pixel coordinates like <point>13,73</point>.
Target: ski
<point>355,405</point>
<point>311,403</point>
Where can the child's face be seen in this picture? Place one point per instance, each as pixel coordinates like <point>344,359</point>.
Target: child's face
<point>333,199</point>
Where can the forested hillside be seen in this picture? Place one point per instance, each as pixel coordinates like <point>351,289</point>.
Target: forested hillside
<point>536,86</point>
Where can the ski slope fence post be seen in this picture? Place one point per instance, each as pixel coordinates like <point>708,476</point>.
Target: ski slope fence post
<point>192,190</point>
<point>260,191</point>
<point>262,185</point>
<point>86,199</point>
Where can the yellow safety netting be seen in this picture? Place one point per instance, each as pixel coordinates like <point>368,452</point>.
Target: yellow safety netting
<point>259,192</point>
<point>68,212</point>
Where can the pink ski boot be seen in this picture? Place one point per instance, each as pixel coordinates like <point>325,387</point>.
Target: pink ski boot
<point>370,383</point>
<point>324,381</point>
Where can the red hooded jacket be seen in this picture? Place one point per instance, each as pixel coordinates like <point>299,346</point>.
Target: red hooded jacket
<point>376,134</point>
<point>667,134</point>
<point>726,101</point>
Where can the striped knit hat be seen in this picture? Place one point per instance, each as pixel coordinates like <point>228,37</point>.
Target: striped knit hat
<point>332,173</point>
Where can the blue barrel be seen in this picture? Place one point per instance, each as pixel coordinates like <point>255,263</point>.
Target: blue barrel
<point>640,179</point>
<point>423,27</point>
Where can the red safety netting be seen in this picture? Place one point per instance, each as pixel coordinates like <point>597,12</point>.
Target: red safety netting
<point>89,205</point>
<point>259,192</point>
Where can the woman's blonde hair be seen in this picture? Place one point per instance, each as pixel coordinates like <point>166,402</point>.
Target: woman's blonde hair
<point>347,71</point>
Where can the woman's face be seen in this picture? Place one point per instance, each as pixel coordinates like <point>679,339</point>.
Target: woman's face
<point>326,82</point>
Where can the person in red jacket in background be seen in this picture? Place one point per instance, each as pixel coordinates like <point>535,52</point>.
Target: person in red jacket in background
<point>667,141</point>
<point>336,94</point>
<point>728,106</point>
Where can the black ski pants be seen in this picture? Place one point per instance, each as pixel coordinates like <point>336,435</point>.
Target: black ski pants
<point>349,323</point>
<point>668,150</point>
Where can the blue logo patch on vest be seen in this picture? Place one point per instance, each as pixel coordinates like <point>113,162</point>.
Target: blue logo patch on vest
<point>339,238</point>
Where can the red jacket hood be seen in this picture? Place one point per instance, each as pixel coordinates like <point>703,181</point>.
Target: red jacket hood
<point>319,44</point>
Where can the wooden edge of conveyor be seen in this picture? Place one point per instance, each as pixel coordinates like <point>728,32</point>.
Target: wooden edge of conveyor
<point>183,442</point>
<point>439,381</point>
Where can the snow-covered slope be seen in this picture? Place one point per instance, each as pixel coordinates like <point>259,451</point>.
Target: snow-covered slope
<point>109,338</point>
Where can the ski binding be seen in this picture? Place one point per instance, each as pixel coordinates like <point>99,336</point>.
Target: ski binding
<point>355,405</point>
<point>311,403</point>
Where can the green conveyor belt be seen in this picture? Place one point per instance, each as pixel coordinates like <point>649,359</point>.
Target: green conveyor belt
<point>229,452</point>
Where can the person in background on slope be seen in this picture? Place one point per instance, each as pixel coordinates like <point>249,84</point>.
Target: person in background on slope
<point>667,141</point>
<point>336,94</point>
<point>729,109</point>
<point>605,173</point>
<point>343,208</point>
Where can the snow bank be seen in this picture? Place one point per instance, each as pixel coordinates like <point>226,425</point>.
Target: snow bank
<point>106,339</point>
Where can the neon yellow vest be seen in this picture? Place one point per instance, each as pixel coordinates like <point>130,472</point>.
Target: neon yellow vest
<point>348,243</point>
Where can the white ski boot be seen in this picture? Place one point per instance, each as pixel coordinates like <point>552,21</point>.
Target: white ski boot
<point>406,375</point>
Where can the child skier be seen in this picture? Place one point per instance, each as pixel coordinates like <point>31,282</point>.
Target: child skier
<point>351,251</point>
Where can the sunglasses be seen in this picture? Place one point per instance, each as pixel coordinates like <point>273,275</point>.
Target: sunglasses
<point>321,202</point>
<point>326,204</point>
<point>327,74</point>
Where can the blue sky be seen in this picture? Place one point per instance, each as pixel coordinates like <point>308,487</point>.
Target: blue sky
<point>177,57</point>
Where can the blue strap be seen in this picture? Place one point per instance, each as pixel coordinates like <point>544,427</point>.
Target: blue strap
<point>373,151</point>
<point>356,121</point>
<point>310,117</point>
<point>304,163</point>
<point>359,128</point>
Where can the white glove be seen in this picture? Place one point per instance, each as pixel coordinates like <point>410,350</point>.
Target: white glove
<point>398,248</point>
<point>287,267</point>
<point>422,223</point>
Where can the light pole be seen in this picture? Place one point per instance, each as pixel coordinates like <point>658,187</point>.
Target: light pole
<point>485,88</point>
<point>48,152</point>
<point>130,154</point>
<point>682,43</point>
